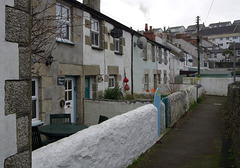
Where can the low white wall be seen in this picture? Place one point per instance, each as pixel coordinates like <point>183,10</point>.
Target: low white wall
<point>114,143</point>
<point>213,86</point>
<point>109,108</point>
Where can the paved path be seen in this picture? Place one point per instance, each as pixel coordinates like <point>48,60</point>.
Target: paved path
<point>194,142</point>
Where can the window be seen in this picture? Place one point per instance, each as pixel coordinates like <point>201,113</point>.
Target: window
<point>221,38</point>
<point>165,57</point>
<point>160,55</point>
<point>146,82</point>
<point>153,53</point>
<point>35,114</point>
<point>238,52</point>
<point>215,55</point>
<point>159,79</point>
<point>145,54</point>
<point>63,22</point>
<point>95,31</point>
<point>155,81</point>
<point>111,82</point>
<point>235,37</point>
<point>116,45</point>
<point>165,78</point>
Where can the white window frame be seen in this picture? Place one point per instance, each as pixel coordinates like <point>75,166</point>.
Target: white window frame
<point>165,57</point>
<point>153,53</point>
<point>35,97</point>
<point>111,81</point>
<point>95,33</point>
<point>159,55</point>
<point>146,82</point>
<point>64,22</point>
<point>116,45</point>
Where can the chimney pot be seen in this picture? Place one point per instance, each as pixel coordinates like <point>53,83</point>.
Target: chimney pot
<point>146,27</point>
<point>150,28</point>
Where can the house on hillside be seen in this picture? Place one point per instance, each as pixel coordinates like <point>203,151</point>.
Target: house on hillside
<point>176,30</point>
<point>222,36</point>
<point>192,29</point>
<point>15,84</point>
<point>220,24</point>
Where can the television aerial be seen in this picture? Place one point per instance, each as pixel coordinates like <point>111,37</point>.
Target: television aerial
<point>116,33</point>
<point>141,42</point>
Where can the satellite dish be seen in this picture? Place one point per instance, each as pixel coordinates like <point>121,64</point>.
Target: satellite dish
<point>190,60</point>
<point>142,42</point>
<point>116,33</point>
<point>182,59</point>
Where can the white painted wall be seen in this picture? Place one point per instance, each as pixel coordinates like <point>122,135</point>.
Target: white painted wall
<point>114,143</point>
<point>9,69</point>
<point>213,86</point>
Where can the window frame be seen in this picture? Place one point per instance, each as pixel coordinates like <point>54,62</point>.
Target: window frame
<point>165,56</point>
<point>63,22</point>
<point>153,52</point>
<point>111,81</point>
<point>160,55</point>
<point>117,45</point>
<point>146,82</point>
<point>95,32</point>
<point>36,98</point>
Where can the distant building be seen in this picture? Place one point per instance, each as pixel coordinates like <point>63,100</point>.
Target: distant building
<point>176,30</point>
<point>192,29</point>
<point>236,22</point>
<point>222,36</point>
<point>220,24</point>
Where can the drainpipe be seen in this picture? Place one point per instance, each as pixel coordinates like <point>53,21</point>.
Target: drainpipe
<point>132,62</point>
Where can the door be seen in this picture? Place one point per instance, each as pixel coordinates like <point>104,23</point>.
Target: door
<point>70,97</point>
<point>87,87</point>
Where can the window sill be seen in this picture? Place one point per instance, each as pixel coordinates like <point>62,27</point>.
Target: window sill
<point>65,41</point>
<point>118,53</point>
<point>37,123</point>
<point>96,48</point>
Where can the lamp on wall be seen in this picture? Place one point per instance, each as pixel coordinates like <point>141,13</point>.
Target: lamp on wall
<point>49,60</point>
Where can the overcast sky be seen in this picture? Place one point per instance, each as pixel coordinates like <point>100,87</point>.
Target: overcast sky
<point>170,13</point>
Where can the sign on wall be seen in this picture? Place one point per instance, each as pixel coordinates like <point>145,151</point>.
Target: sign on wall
<point>60,81</point>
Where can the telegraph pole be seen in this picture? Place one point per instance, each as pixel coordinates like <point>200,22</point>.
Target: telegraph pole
<point>198,49</point>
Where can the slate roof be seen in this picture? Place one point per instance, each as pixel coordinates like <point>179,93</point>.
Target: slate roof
<point>220,30</point>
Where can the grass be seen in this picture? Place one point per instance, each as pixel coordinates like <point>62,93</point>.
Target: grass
<point>135,161</point>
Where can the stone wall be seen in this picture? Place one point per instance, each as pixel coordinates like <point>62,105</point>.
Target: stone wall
<point>15,132</point>
<point>114,143</point>
<point>180,102</point>
<point>233,102</point>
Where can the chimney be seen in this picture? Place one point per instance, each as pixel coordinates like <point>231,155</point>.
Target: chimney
<point>150,28</point>
<point>146,27</point>
<point>94,4</point>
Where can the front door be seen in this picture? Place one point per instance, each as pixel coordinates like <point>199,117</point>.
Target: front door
<point>70,97</point>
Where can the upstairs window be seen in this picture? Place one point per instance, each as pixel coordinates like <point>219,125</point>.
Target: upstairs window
<point>160,55</point>
<point>95,32</point>
<point>153,53</point>
<point>165,57</point>
<point>116,45</point>
<point>63,22</point>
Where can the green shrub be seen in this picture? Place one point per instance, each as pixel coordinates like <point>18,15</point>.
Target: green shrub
<point>113,93</point>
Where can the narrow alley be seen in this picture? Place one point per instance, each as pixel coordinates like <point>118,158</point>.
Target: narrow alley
<point>196,141</point>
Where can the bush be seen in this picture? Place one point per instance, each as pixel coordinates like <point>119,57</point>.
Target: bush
<point>113,93</point>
